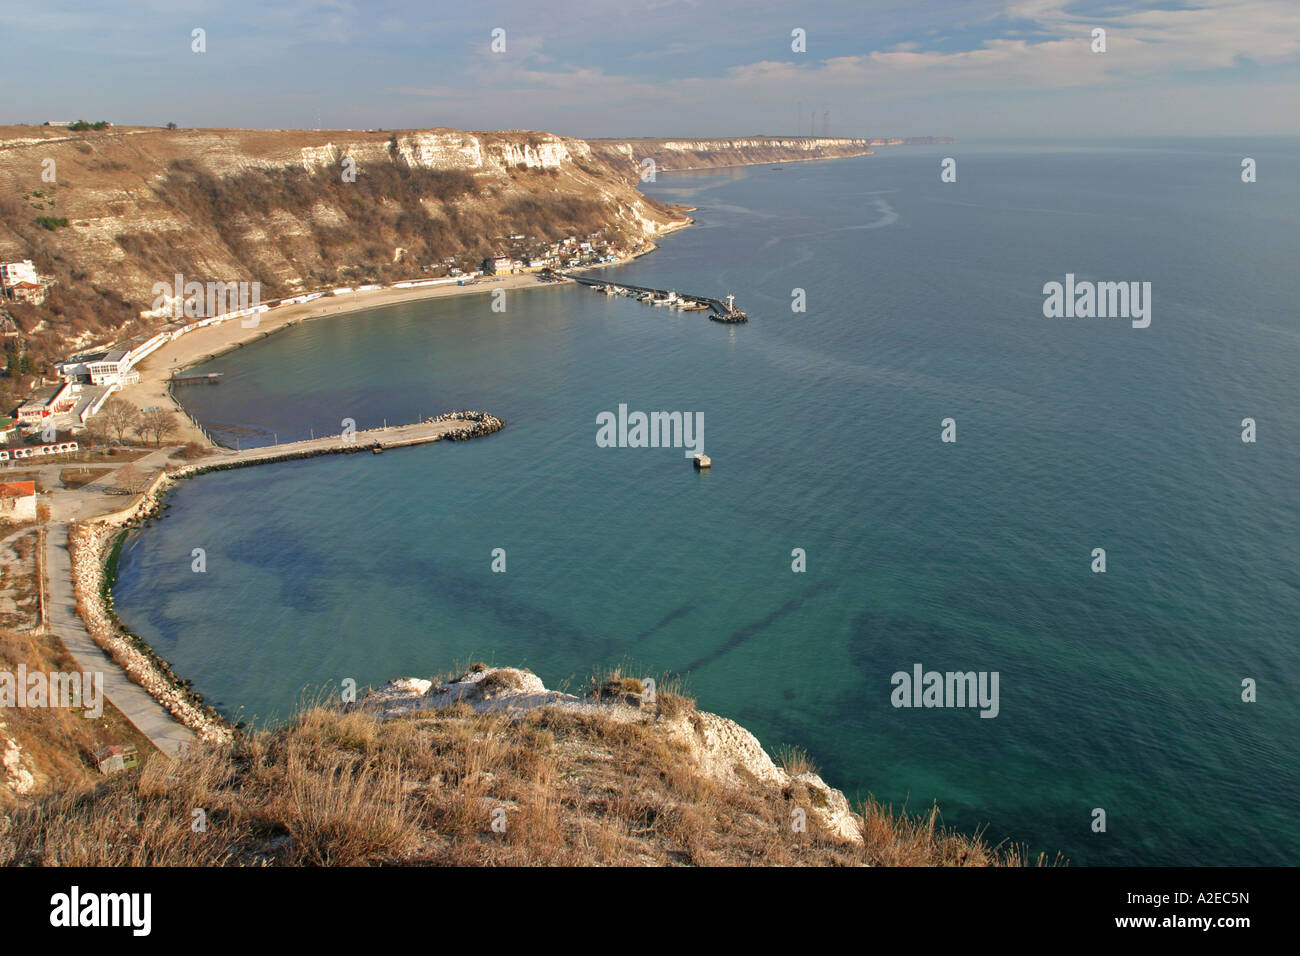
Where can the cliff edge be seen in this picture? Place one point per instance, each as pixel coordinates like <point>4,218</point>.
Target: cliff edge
<point>489,768</point>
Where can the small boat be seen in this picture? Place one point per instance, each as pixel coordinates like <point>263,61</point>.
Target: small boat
<point>702,462</point>
<point>378,450</point>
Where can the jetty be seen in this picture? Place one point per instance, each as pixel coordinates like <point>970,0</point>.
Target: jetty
<point>719,311</point>
<point>211,378</point>
<point>454,426</point>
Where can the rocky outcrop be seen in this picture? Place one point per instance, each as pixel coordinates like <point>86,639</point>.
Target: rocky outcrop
<point>477,424</point>
<point>720,748</point>
<point>17,774</point>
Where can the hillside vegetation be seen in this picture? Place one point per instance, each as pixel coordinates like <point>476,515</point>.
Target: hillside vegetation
<point>48,750</point>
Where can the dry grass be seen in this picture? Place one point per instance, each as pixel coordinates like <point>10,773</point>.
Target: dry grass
<point>58,741</point>
<point>455,787</point>
<point>80,477</point>
<point>794,761</point>
<point>895,838</point>
<point>192,450</point>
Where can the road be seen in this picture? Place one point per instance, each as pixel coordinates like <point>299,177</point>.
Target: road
<point>152,720</point>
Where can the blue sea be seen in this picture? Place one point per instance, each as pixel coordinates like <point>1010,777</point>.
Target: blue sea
<point>1120,691</point>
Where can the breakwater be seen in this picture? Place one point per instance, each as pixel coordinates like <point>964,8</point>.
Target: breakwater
<point>453,426</point>
<point>476,425</point>
<point>719,311</point>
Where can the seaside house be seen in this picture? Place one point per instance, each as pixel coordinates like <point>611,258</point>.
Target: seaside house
<point>11,273</point>
<point>47,401</point>
<point>114,366</point>
<point>17,501</point>
<point>21,281</point>
<point>107,366</point>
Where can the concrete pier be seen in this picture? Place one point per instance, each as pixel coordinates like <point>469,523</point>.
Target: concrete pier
<point>455,426</point>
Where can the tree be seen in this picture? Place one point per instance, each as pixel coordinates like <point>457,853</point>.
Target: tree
<point>171,125</point>
<point>130,479</point>
<point>97,430</point>
<point>157,422</point>
<point>120,415</point>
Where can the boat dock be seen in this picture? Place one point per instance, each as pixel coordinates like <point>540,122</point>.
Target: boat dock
<point>211,378</point>
<point>454,426</point>
<point>719,311</point>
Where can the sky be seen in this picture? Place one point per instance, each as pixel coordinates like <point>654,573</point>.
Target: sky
<point>967,68</point>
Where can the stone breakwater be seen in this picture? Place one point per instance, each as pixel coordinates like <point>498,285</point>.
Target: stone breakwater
<point>89,545</point>
<point>477,424</point>
<point>91,542</point>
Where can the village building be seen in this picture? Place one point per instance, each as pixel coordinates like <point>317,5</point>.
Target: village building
<point>112,366</point>
<point>30,292</point>
<point>48,401</point>
<point>116,757</point>
<point>18,501</point>
<point>20,281</point>
<point>11,273</point>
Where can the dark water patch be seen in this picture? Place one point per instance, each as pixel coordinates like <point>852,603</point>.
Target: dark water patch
<point>739,636</point>
<point>674,615</point>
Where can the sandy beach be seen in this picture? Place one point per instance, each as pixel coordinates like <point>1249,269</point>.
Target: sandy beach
<point>203,344</point>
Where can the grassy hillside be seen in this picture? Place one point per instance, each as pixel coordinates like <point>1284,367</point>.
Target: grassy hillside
<point>487,780</point>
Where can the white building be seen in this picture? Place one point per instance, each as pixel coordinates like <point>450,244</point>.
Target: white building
<point>107,367</point>
<point>49,401</point>
<point>114,366</point>
<point>12,273</point>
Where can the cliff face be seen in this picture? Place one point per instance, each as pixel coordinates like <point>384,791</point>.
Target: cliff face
<point>670,154</point>
<point>291,209</point>
<point>110,213</point>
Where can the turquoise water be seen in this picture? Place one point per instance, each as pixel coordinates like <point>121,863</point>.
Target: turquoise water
<point>1118,691</point>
